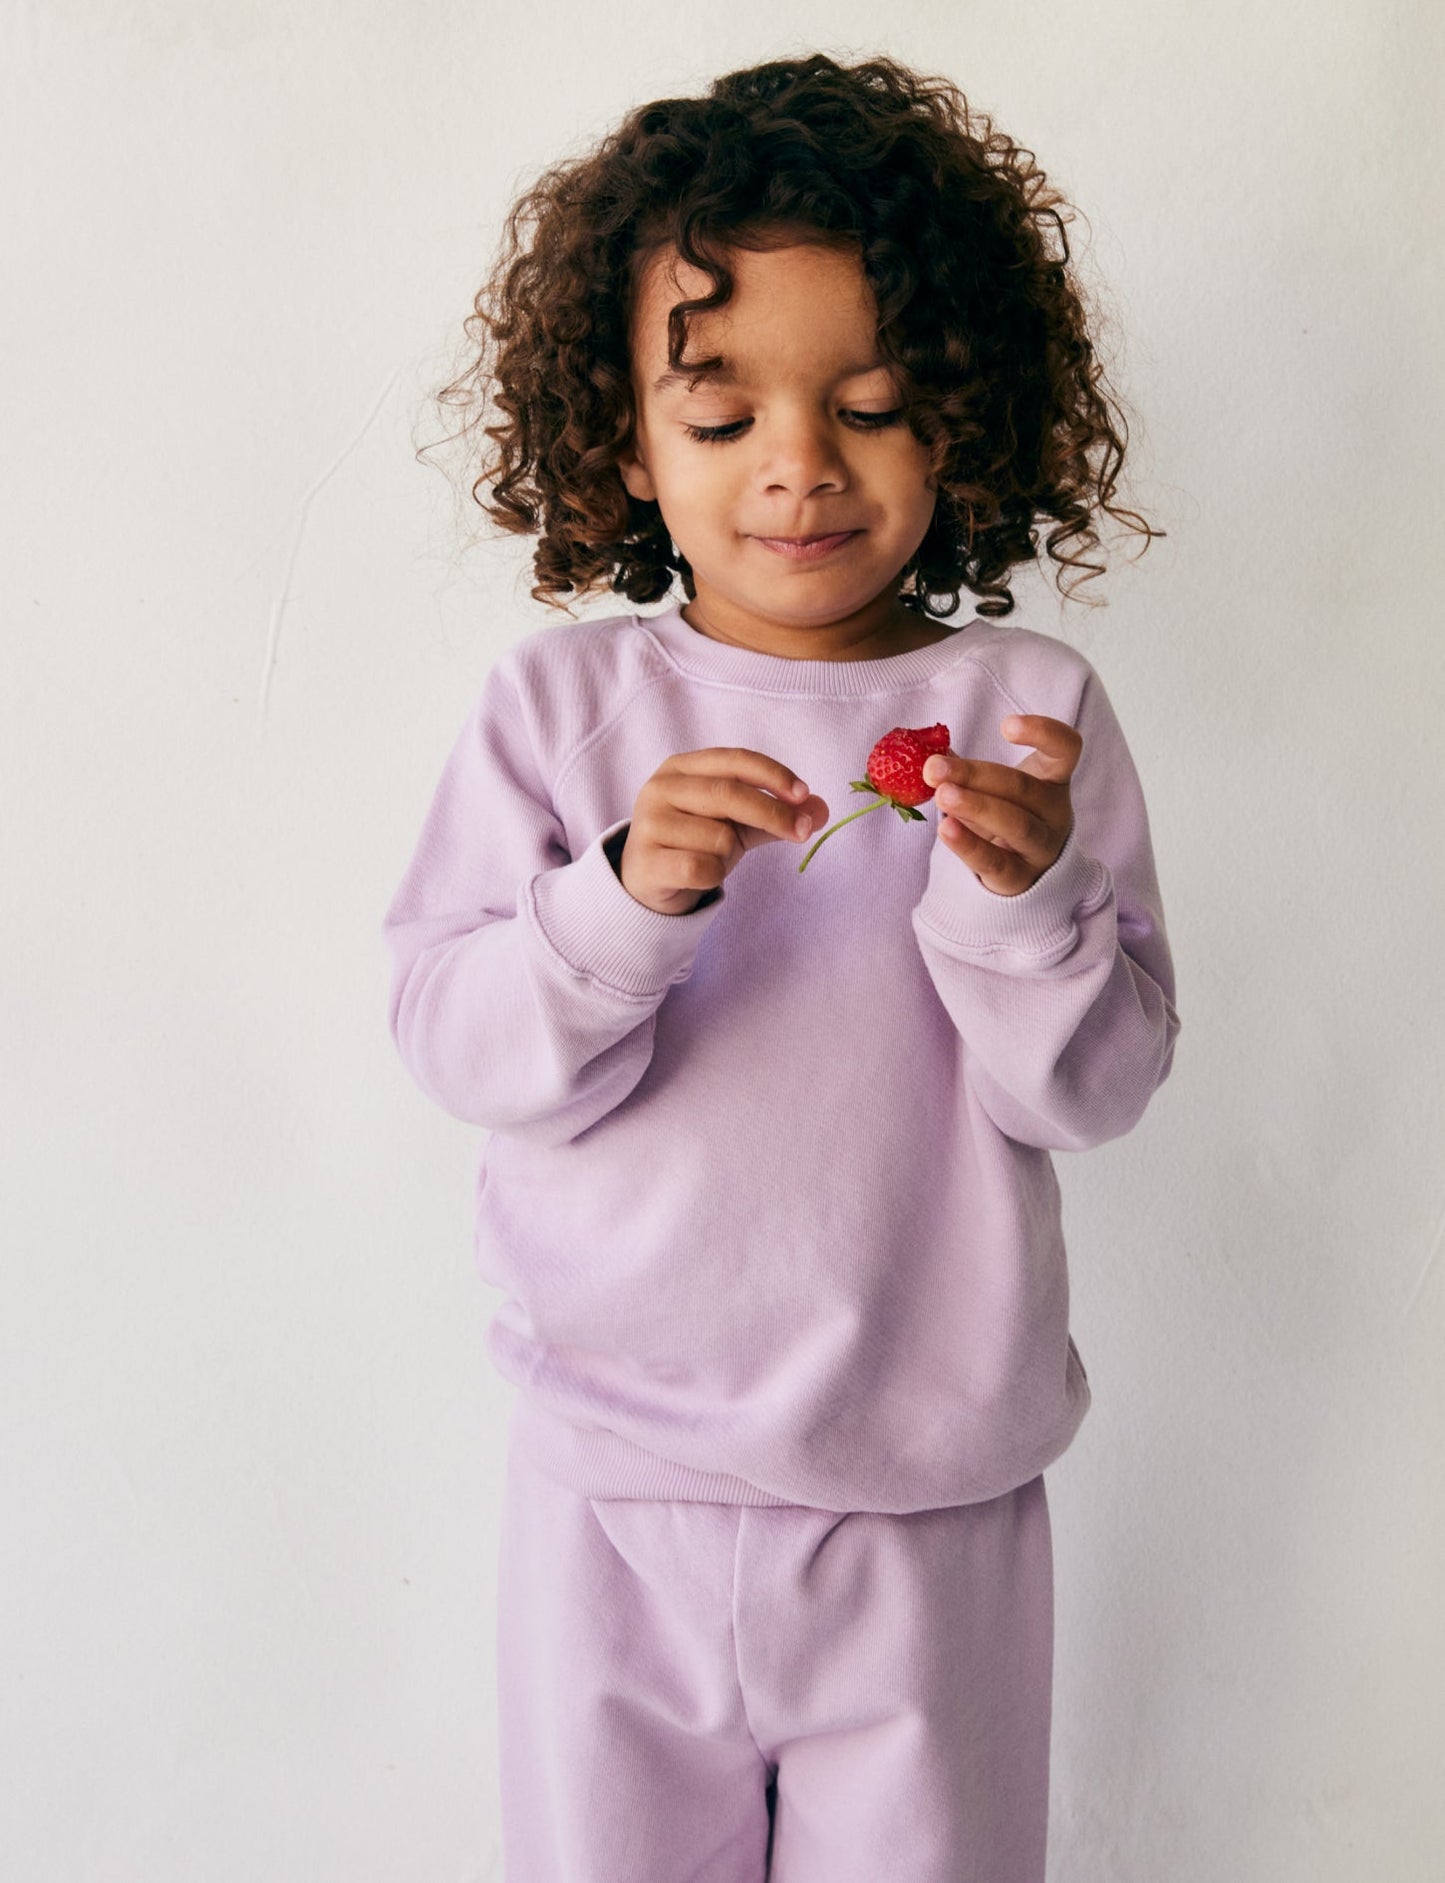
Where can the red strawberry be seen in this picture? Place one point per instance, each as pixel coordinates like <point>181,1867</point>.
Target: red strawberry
<point>895,765</point>
<point>895,774</point>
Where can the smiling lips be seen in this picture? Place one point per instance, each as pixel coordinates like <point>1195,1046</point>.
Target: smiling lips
<point>807,548</point>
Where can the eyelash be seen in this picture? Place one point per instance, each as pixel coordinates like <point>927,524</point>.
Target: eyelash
<point>724,434</point>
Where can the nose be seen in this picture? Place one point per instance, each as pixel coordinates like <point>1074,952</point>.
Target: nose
<point>800,453</point>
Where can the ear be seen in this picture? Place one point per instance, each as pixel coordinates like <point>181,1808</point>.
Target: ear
<point>635,476</point>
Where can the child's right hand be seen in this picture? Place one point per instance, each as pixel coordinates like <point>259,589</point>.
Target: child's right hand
<point>699,812</point>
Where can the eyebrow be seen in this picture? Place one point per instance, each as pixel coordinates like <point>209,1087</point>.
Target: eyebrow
<point>727,375</point>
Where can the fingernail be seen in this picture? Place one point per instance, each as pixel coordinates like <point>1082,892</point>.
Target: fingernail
<point>802,825</point>
<point>933,770</point>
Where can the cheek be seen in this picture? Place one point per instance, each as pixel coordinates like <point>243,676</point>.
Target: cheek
<point>912,471</point>
<point>696,477</point>
<point>694,497</point>
<point>918,499</point>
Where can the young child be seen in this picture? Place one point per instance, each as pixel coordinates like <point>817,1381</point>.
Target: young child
<point>767,1179</point>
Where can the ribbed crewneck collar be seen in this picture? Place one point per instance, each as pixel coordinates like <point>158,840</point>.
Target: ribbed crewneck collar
<point>721,661</point>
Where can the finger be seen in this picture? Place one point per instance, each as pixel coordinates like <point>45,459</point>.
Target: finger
<point>981,774</point>
<point>713,813</point>
<point>999,870</point>
<point>1033,801</point>
<point>741,762</point>
<point>757,795</point>
<point>1002,821</point>
<point>1057,745</point>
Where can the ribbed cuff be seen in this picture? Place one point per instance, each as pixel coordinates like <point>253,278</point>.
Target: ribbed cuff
<point>589,920</point>
<point>1040,924</point>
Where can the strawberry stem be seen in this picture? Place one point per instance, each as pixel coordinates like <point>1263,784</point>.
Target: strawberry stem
<point>877,805</point>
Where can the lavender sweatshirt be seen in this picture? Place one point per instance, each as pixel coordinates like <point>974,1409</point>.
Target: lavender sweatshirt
<point>767,1186</point>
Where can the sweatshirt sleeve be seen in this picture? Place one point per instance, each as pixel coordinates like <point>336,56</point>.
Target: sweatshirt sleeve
<point>524,980</point>
<point>1064,994</point>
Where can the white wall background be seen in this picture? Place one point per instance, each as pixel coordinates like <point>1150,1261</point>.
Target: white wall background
<point>251,1448</point>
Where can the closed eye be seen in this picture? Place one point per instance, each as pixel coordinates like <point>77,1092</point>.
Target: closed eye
<point>724,434</point>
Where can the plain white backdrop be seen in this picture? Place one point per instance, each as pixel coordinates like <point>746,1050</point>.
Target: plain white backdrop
<point>251,1446</point>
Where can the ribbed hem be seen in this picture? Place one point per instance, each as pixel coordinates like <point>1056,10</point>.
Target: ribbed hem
<point>1040,925</point>
<point>598,1463</point>
<point>598,929</point>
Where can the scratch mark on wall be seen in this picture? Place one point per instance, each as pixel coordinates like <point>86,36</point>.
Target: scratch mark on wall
<point>278,607</point>
<point>1423,1276</point>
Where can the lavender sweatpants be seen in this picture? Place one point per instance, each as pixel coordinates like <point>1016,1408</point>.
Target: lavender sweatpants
<point>726,1693</point>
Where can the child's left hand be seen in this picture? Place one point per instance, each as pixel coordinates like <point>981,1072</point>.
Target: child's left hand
<point>1009,822</point>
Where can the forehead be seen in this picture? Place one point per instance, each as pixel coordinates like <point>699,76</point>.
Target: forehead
<point>814,295</point>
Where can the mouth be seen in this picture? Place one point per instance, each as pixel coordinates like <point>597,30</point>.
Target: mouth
<point>807,548</point>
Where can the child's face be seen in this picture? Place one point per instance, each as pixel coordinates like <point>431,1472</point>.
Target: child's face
<point>803,453</point>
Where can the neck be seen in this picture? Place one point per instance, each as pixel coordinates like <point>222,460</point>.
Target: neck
<point>900,631</point>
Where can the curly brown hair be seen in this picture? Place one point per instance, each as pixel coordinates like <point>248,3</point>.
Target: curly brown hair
<point>961,239</point>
